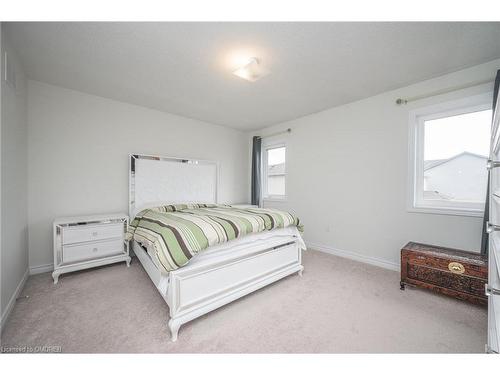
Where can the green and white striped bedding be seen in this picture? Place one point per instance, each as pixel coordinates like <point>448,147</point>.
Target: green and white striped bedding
<point>176,233</point>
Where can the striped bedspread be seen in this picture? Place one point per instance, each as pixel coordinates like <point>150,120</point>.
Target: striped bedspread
<point>176,233</point>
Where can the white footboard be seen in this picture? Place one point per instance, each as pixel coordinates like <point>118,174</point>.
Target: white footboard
<point>196,290</point>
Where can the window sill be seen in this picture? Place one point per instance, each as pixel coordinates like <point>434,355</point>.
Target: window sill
<point>274,199</point>
<point>446,211</point>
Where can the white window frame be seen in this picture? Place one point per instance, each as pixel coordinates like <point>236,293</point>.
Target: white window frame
<point>269,145</point>
<point>417,119</point>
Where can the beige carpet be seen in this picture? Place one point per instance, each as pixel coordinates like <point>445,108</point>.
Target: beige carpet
<point>338,306</point>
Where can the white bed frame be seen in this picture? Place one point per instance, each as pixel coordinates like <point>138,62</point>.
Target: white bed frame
<point>215,280</point>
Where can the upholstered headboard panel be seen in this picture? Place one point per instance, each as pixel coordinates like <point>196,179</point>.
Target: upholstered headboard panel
<point>157,180</point>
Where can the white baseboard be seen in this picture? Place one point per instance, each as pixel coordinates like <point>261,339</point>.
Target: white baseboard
<point>355,256</point>
<point>12,301</point>
<point>41,269</point>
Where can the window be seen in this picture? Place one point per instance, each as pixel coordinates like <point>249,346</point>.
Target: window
<point>274,171</point>
<point>449,151</point>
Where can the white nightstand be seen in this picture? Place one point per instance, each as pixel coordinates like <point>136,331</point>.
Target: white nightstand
<point>89,241</point>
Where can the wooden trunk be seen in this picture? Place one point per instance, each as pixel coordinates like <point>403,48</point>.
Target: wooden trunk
<point>456,273</point>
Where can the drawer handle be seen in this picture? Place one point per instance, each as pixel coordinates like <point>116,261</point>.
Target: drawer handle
<point>95,234</point>
<point>492,164</point>
<point>489,290</point>
<point>456,267</point>
<point>95,249</point>
<point>490,228</point>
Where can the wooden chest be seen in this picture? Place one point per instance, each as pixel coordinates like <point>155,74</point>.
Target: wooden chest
<point>456,273</point>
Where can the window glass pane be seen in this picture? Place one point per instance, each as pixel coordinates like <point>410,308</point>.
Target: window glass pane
<point>456,149</point>
<point>276,171</point>
<point>276,185</point>
<point>276,156</point>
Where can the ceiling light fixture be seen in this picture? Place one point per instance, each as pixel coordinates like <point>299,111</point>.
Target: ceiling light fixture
<point>252,70</point>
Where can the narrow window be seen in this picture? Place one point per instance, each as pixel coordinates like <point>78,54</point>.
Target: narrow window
<point>274,168</point>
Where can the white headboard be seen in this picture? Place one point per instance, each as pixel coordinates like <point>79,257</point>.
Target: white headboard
<point>158,180</point>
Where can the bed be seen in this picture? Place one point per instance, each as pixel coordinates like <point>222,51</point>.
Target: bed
<point>220,273</point>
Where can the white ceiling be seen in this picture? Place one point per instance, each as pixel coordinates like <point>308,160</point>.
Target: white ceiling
<point>185,68</point>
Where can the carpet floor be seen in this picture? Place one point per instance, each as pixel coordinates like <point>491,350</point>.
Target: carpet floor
<point>338,306</point>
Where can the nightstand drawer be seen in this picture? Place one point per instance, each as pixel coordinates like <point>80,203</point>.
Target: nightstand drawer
<point>86,233</point>
<point>83,242</point>
<point>92,250</point>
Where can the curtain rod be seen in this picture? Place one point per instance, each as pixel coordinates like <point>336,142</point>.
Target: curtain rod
<point>289,130</point>
<point>401,101</point>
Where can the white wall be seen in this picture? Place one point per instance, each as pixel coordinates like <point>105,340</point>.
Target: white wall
<point>347,170</point>
<point>14,219</point>
<point>78,156</point>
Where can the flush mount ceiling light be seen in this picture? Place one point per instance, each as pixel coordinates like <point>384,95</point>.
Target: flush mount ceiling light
<point>252,70</point>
